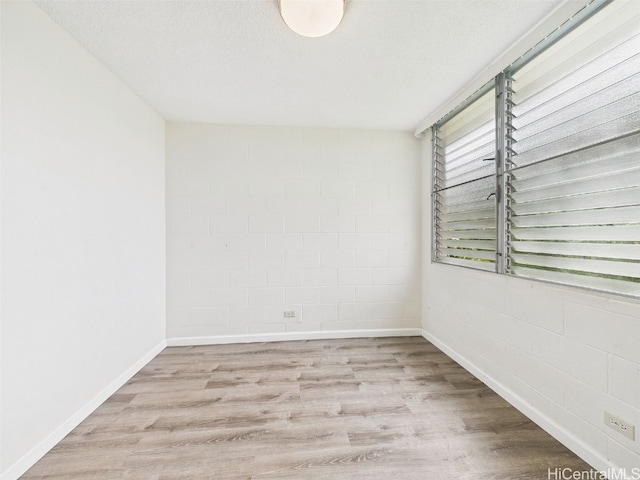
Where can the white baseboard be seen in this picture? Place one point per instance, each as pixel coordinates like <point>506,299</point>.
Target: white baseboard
<point>569,440</point>
<point>283,337</point>
<point>37,452</point>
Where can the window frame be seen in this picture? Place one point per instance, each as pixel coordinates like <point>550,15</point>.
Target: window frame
<point>502,86</point>
<point>437,164</point>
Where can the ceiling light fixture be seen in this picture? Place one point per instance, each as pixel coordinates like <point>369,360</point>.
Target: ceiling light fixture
<point>312,18</point>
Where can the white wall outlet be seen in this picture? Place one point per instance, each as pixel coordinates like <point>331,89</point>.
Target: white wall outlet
<point>289,314</point>
<point>620,425</point>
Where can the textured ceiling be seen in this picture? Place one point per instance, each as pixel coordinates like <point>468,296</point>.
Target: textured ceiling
<point>389,64</point>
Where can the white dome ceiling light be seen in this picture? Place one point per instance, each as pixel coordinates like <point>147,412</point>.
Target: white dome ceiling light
<point>312,18</point>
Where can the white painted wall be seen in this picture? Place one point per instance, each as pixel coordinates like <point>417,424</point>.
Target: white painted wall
<point>261,219</point>
<point>562,355</point>
<point>83,234</point>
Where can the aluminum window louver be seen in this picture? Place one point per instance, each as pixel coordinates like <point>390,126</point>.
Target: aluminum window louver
<point>464,184</point>
<point>566,175</point>
<point>574,181</point>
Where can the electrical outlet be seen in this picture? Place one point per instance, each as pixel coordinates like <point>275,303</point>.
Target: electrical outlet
<point>289,314</point>
<point>619,425</point>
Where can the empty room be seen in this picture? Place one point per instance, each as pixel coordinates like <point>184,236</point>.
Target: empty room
<point>320,239</point>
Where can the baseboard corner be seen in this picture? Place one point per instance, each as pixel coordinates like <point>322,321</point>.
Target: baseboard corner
<point>564,436</point>
<point>14,471</point>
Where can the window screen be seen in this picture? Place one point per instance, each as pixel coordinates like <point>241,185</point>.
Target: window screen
<point>575,178</point>
<point>569,207</point>
<point>464,185</point>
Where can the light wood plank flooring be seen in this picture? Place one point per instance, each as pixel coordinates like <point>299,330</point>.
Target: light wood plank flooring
<point>370,408</point>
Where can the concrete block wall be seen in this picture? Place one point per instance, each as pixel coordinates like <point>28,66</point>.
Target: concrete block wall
<point>322,222</point>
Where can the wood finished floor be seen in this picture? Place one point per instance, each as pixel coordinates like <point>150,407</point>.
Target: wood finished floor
<point>370,408</point>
